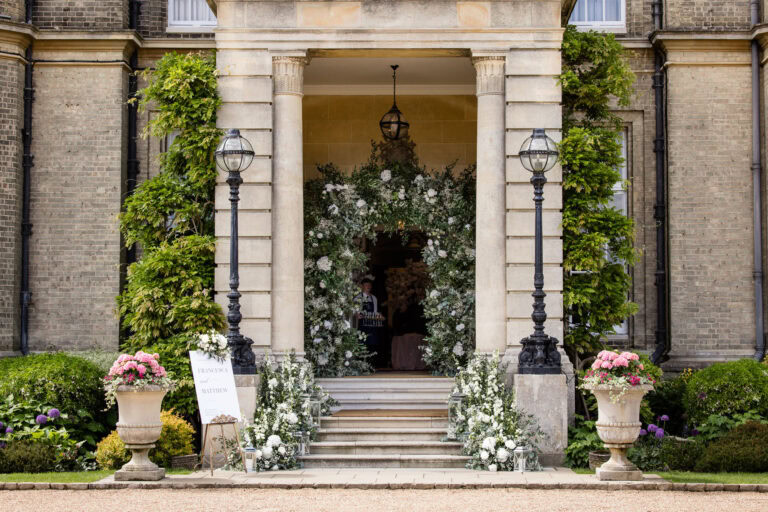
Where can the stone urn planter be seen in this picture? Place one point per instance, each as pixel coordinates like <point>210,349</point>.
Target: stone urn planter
<point>618,425</point>
<point>139,426</point>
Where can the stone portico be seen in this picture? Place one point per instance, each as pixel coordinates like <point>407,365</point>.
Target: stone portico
<point>263,52</point>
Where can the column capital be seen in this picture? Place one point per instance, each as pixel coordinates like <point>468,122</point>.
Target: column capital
<point>490,74</point>
<point>288,74</point>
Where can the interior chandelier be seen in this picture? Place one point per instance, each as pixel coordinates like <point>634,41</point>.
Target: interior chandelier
<point>393,125</point>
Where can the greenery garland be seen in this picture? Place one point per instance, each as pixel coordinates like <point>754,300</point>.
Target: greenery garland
<point>388,196</point>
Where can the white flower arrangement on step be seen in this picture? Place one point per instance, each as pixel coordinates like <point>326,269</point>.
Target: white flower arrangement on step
<point>487,420</point>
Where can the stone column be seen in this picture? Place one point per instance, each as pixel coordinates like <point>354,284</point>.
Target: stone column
<point>288,206</point>
<point>490,278</point>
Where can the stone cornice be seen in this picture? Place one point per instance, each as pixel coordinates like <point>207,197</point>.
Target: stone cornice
<point>124,42</point>
<point>702,41</point>
<point>19,35</point>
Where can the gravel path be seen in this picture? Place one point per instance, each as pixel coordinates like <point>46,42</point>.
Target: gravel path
<point>332,500</point>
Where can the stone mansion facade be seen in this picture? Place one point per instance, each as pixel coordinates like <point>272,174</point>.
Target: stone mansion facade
<point>307,81</point>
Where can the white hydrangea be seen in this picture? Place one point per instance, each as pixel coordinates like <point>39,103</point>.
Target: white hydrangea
<point>489,443</point>
<point>431,192</point>
<point>434,294</point>
<point>324,264</point>
<point>502,455</point>
<point>492,468</point>
<point>510,444</point>
<point>484,455</point>
<point>267,452</point>
<point>333,209</point>
<point>327,324</point>
<point>442,253</point>
<point>272,383</point>
<point>281,450</point>
<point>460,327</point>
<point>360,203</point>
<point>292,418</point>
<point>274,440</point>
<point>386,175</point>
<point>401,194</point>
<point>322,360</point>
<point>317,340</point>
<point>458,349</point>
<point>451,220</point>
<point>348,354</point>
<point>419,178</point>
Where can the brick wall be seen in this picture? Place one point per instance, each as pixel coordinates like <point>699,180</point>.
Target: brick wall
<point>710,205</point>
<point>638,17</point>
<point>79,147</point>
<point>11,122</point>
<point>706,14</point>
<point>81,14</point>
<point>13,8</point>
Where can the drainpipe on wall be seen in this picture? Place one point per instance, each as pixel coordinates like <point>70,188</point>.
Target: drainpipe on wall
<point>757,189</point>
<point>26,226</point>
<point>133,162</point>
<point>663,345</point>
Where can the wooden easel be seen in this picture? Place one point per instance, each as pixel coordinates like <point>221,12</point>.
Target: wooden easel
<point>208,427</point>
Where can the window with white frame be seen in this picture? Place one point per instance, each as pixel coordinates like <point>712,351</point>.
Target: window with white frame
<point>606,15</point>
<point>620,201</point>
<point>190,14</point>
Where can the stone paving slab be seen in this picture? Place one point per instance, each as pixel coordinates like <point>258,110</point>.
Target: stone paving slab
<point>391,478</point>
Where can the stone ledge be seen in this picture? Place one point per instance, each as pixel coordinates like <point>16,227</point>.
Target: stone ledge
<point>179,483</point>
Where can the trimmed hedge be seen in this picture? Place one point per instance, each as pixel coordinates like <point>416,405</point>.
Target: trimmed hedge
<point>69,383</point>
<point>27,457</point>
<point>729,388</point>
<point>743,449</point>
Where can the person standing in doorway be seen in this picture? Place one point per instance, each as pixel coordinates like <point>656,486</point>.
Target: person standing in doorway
<point>369,320</point>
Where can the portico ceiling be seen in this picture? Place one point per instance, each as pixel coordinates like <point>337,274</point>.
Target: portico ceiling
<point>373,75</point>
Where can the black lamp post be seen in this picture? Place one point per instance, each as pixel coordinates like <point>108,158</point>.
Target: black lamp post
<point>234,155</point>
<point>538,154</point>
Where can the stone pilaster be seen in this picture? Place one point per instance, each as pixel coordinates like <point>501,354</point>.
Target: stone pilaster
<point>490,240</point>
<point>288,206</point>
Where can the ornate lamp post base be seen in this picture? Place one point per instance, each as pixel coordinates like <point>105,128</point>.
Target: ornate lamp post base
<point>243,360</point>
<point>539,355</point>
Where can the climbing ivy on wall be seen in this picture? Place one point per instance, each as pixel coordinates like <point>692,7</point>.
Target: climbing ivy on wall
<point>168,294</point>
<point>598,240</point>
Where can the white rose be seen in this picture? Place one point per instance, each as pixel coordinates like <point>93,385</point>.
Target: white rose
<point>324,264</point>
<point>434,294</point>
<point>348,354</point>
<point>281,450</point>
<point>459,327</point>
<point>327,324</point>
<point>322,360</point>
<point>322,285</point>
<point>272,382</point>
<point>346,363</point>
<point>257,454</point>
<point>292,418</point>
<point>274,468</point>
<point>317,340</point>
<point>319,235</point>
<point>458,349</point>
<point>502,455</point>
<point>484,455</point>
<point>430,242</point>
<point>492,468</point>
<point>333,209</point>
<point>510,444</point>
<point>386,175</point>
<point>347,325</point>
<point>267,452</point>
<point>419,178</point>
<point>329,187</point>
<point>431,192</point>
<point>401,194</point>
<point>360,203</point>
<point>274,440</point>
<point>489,443</point>
<point>451,220</point>
<point>442,253</point>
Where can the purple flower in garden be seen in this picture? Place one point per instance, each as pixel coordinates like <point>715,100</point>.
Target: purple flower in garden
<point>702,396</point>
<point>2,445</point>
<point>664,417</point>
<point>9,430</point>
<point>652,428</point>
<point>643,432</point>
<point>54,413</point>
<point>695,432</point>
<point>1,425</point>
<point>41,419</point>
<point>660,433</point>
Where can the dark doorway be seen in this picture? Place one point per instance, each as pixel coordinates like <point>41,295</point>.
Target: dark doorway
<point>400,279</point>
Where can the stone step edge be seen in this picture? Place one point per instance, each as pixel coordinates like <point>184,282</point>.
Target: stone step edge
<point>383,418</point>
<point>375,430</point>
<point>382,457</point>
<point>170,483</point>
<point>373,444</point>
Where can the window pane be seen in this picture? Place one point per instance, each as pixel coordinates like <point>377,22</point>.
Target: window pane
<point>578,11</point>
<point>190,13</point>
<point>613,10</point>
<point>594,10</point>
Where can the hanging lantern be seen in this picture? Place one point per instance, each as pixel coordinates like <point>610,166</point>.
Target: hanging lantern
<point>393,125</point>
<point>454,409</point>
<point>521,454</point>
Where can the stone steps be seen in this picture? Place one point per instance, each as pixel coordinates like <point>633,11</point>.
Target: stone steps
<point>397,447</point>
<point>406,422</point>
<point>382,434</point>
<point>413,393</point>
<point>384,461</point>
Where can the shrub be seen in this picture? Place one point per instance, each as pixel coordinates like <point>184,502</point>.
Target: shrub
<point>743,449</point>
<point>27,457</point>
<point>727,389</point>
<point>101,358</point>
<point>71,384</point>
<point>175,439</point>
<point>582,439</point>
<point>667,398</point>
<point>681,454</point>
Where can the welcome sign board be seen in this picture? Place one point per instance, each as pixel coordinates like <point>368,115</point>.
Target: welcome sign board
<point>215,386</point>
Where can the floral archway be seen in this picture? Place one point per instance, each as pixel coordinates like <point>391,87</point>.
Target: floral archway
<point>390,193</point>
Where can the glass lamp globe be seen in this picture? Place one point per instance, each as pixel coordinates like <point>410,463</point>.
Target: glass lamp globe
<point>235,153</point>
<point>538,152</point>
<point>393,124</point>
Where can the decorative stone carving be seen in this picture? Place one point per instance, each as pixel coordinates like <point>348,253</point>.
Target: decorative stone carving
<point>288,73</point>
<point>490,74</point>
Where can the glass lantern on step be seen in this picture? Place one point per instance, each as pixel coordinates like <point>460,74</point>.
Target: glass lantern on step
<point>250,453</point>
<point>521,455</point>
<point>301,438</point>
<point>455,403</point>
<point>315,408</point>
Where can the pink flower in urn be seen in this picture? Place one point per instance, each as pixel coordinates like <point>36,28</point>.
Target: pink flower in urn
<point>596,364</point>
<point>142,370</point>
<point>601,354</point>
<point>641,366</point>
<point>607,365</point>
<point>620,361</point>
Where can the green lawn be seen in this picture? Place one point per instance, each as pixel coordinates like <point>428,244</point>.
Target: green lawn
<point>70,476</point>
<point>705,478</point>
